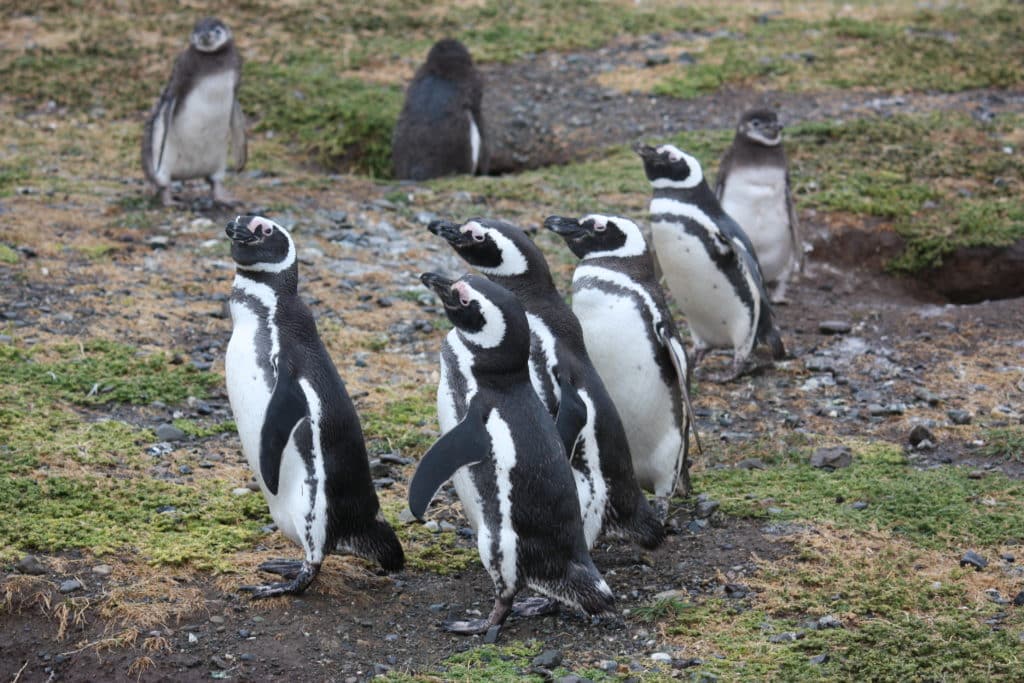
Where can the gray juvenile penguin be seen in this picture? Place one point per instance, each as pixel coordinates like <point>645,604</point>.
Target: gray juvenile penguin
<point>506,459</point>
<point>565,379</point>
<point>299,430</point>
<point>753,187</point>
<point>197,126</point>
<point>709,264</point>
<point>634,343</point>
<point>441,128</point>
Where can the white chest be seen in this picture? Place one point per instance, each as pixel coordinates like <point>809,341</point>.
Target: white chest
<point>197,144</point>
<point>248,390</point>
<point>474,142</point>
<point>756,199</point>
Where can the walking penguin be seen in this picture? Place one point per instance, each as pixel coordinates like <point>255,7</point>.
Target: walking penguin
<point>708,262</point>
<point>565,379</point>
<point>634,343</point>
<point>198,117</point>
<point>753,187</point>
<point>505,457</point>
<point>299,430</point>
<point>440,130</point>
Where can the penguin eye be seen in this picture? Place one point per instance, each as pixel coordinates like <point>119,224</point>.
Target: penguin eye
<point>464,301</point>
<point>478,237</point>
<point>600,227</point>
<point>266,230</point>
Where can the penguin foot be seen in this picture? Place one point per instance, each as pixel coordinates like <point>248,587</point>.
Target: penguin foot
<point>222,196</point>
<point>534,607</point>
<point>288,569</point>
<point>166,199</point>
<point>491,625</point>
<point>660,505</point>
<point>467,627</point>
<point>307,572</point>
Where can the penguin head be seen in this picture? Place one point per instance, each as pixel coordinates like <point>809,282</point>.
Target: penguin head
<point>210,35</point>
<point>669,166</point>
<point>449,58</point>
<point>486,314</point>
<point>260,244</point>
<point>760,126</point>
<point>596,235</point>
<point>495,248</point>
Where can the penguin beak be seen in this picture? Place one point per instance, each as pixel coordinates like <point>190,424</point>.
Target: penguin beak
<point>645,151</point>
<point>238,230</point>
<point>442,286</point>
<point>450,231</point>
<point>566,227</point>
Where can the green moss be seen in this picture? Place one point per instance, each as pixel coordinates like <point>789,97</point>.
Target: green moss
<point>99,371</point>
<point>508,662</point>
<point>8,255</point>
<point>938,508</point>
<point>407,424</point>
<point>1004,442</point>
<point>204,429</point>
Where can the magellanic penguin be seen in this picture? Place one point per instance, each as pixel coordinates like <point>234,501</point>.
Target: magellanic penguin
<point>565,379</point>
<point>634,343</point>
<point>505,457</point>
<point>708,262</point>
<point>198,117</point>
<point>753,187</point>
<point>440,130</point>
<point>299,430</point>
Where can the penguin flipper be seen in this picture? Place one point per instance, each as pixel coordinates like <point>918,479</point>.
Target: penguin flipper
<point>795,232</point>
<point>239,150</point>
<point>572,416</point>
<point>677,354</point>
<point>466,444</point>
<point>286,409</point>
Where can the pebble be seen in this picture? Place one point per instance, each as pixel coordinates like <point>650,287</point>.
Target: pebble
<point>663,657</point>
<point>829,621</point>
<point>751,464</point>
<point>170,433</point>
<point>253,486</point>
<point>70,586</point>
<point>657,59</point>
<point>241,491</point>
<point>491,636</point>
<point>819,364</point>
<point>1019,600</point>
<point>247,657</point>
<point>548,659</point>
<point>571,678</point>
<point>244,633</point>
<point>705,508</point>
<point>438,607</point>
<point>834,458</point>
<point>785,637</point>
<point>995,596</point>
<point>160,449</point>
<point>973,559</point>
<point>819,659</point>
<point>959,417</point>
<point>406,516</point>
<point>216,619</point>
<point>184,469</point>
<point>31,565</point>
<point>432,526</point>
<point>834,327</point>
<point>102,570</point>
<point>859,505</point>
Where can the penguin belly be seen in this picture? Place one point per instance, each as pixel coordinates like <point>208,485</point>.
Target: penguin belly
<point>716,314</point>
<point>756,199</point>
<point>197,142</point>
<point>633,379</point>
<point>248,389</point>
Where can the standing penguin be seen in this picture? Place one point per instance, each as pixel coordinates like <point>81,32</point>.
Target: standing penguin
<point>440,130</point>
<point>298,427</point>
<point>565,379</point>
<point>753,187</point>
<point>709,264</point>
<point>616,297</point>
<point>505,457</point>
<point>198,117</point>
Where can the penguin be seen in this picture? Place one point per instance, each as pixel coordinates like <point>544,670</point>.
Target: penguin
<point>753,187</point>
<point>565,379</point>
<point>440,130</point>
<point>506,459</point>
<point>299,430</point>
<point>198,117</point>
<point>616,296</point>
<point>709,264</point>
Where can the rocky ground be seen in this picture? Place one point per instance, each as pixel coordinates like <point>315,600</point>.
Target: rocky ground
<point>873,358</point>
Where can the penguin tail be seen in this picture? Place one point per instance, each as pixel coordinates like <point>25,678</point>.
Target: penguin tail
<point>582,587</point>
<point>774,340</point>
<point>643,527</point>
<point>379,543</point>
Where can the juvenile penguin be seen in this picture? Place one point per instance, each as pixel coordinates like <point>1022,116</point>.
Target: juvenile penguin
<point>440,130</point>
<point>616,296</point>
<point>709,264</point>
<point>505,457</point>
<point>299,430</point>
<point>753,187</point>
<point>198,118</point>
<point>565,379</point>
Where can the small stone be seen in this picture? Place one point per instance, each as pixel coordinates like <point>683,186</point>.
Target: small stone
<point>193,638</point>
<point>751,464</point>
<point>785,637</point>
<point>253,486</point>
<point>184,469</point>
<point>859,505</point>
<point>572,678</point>
<point>662,657</point>
<point>829,621</point>
<point>773,510</point>
<point>216,619</point>
<point>975,474</point>
<point>170,433</point>
<point>244,633</point>
<point>491,636</point>
<point>973,559</point>
<point>438,607</point>
<point>30,565</point>
<point>433,527</point>
<point>608,666</point>
<point>834,458</point>
<point>819,659</point>
<point>697,525</point>
<point>102,570</point>
<point>1007,557</point>
<point>959,417</point>
<point>448,527</point>
<point>922,394</point>
<point>706,508</point>
<point>819,364</point>
<point>834,327</point>
<point>1019,600</point>
<point>70,586</point>
<point>247,657</point>
<point>995,596</point>
<point>548,659</point>
<point>406,516</point>
<point>687,663</point>
<point>241,491</point>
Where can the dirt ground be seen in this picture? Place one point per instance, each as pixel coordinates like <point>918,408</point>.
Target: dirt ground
<point>906,359</point>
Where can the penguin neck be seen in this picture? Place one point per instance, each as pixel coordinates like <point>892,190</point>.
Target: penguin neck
<point>285,283</point>
<point>748,153</point>
<point>700,196</point>
<point>639,267</point>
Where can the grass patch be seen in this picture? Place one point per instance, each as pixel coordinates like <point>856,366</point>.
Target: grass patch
<point>1005,442</point>
<point>164,523</point>
<point>407,424</point>
<point>202,430</point>
<point>8,255</point>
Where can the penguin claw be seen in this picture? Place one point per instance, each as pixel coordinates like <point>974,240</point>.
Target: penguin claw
<point>288,569</point>
<point>301,580</point>
<point>468,627</point>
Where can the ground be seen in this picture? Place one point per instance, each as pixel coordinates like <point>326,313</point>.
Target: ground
<point>115,325</point>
